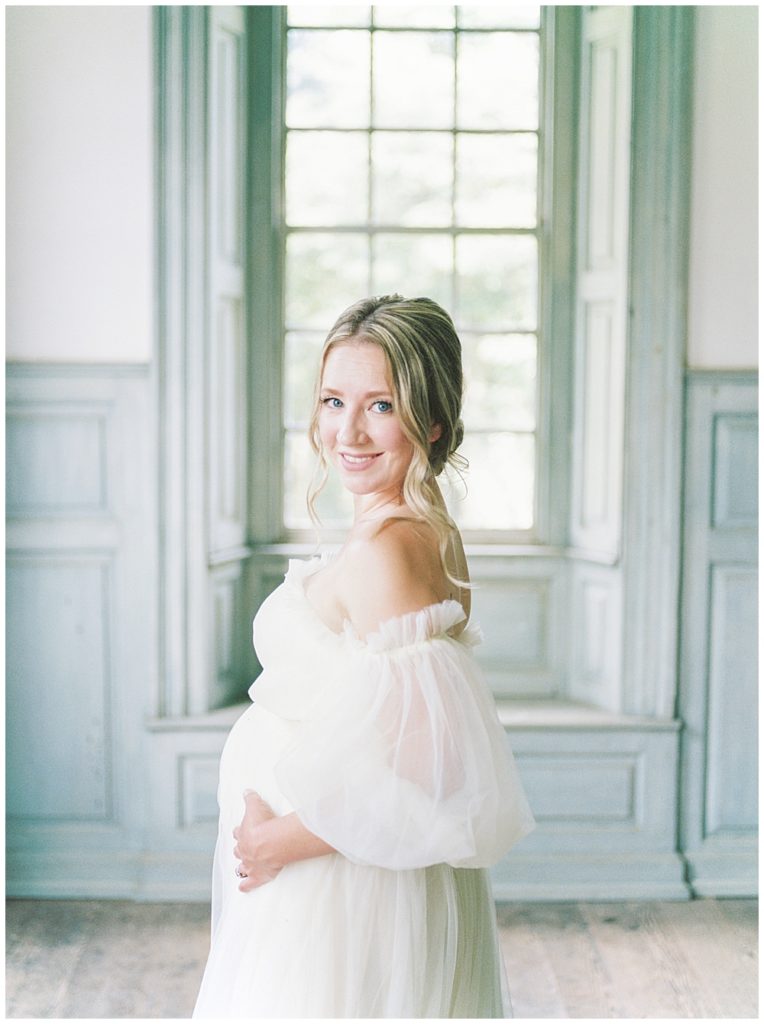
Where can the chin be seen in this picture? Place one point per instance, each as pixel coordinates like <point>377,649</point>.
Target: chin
<point>355,486</point>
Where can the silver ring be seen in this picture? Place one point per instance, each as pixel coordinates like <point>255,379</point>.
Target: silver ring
<point>239,872</point>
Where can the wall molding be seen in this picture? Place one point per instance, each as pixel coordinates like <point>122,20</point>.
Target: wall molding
<point>661,151</point>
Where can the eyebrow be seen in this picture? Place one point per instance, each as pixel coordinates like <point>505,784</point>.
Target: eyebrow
<point>369,394</point>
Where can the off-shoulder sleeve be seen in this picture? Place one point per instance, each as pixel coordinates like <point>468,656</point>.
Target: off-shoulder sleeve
<point>407,764</point>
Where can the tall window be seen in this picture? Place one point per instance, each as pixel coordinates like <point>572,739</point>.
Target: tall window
<point>412,166</point>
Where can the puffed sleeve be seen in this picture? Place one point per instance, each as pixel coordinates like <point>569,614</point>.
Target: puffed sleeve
<point>406,764</point>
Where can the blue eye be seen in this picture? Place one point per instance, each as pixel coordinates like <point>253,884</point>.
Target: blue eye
<point>328,401</point>
<point>387,406</point>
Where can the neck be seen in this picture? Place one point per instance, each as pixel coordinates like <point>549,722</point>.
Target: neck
<point>375,506</point>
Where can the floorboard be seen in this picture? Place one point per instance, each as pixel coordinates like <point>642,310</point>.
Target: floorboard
<point>77,959</point>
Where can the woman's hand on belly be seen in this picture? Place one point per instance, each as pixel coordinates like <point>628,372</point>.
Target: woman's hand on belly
<point>260,862</point>
<point>266,843</point>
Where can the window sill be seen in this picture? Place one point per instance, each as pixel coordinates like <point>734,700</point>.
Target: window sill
<point>304,549</point>
<point>525,715</point>
<point>569,714</point>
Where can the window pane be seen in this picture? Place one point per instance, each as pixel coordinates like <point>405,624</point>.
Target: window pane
<point>498,16</point>
<point>500,381</point>
<point>334,504</point>
<point>496,281</point>
<point>412,178</point>
<point>341,14</point>
<point>426,99</point>
<point>496,180</point>
<point>327,79</point>
<point>325,273</point>
<point>413,79</point>
<point>327,177</point>
<point>413,265</point>
<point>414,16</point>
<point>302,350</point>
<point>499,483</point>
<point>497,84</point>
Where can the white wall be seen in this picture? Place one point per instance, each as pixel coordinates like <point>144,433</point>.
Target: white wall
<point>79,184</point>
<point>80,190</point>
<point>724,239</point>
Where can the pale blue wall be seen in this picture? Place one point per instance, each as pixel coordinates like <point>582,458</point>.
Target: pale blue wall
<point>106,799</point>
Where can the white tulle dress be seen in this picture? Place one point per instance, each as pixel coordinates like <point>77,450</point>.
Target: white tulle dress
<point>390,749</point>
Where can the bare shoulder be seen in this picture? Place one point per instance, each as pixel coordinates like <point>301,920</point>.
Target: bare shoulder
<point>391,571</point>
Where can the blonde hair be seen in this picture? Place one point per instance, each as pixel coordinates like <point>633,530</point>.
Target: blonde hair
<point>424,360</point>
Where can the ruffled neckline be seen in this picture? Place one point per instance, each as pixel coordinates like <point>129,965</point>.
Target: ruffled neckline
<point>432,621</point>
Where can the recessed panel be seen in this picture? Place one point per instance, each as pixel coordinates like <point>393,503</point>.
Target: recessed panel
<point>227,636</point>
<point>736,476</point>
<point>56,463</point>
<point>57,702</point>
<point>595,631</point>
<point>514,616</point>
<point>198,782</point>
<point>732,774</point>
<point>578,789</point>
<point>228,148</point>
<point>595,636</point>
<point>597,412</point>
<point>603,138</point>
<point>226,424</point>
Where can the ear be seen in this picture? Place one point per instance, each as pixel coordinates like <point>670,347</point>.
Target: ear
<point>435,433</point>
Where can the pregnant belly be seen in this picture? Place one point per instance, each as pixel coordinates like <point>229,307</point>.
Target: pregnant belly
<point>254,745</point>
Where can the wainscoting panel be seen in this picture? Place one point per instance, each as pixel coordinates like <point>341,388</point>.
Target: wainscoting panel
<point>731,733</point>
<point>735,495</point>
<point>197,788</point>
<point>521,615</point>
<point>606,820</point>
<point>718,657</point>
<point>595,645</point>
<point>56,460</point>
<point>58,694</point>
<point>80,630</point>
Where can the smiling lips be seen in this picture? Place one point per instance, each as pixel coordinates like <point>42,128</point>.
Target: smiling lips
<point>356,462</point>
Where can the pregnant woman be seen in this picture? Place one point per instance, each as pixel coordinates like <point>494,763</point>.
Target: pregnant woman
<point>369,785</point>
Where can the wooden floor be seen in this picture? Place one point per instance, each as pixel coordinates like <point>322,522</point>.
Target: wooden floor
<point>80,959</point>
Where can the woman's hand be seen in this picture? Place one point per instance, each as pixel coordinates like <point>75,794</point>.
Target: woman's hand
<point>259,862</point>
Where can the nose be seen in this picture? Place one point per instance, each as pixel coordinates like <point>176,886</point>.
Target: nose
<point>351,431</point>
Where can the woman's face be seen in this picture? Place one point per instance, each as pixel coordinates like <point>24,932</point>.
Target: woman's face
<point>358,423</point>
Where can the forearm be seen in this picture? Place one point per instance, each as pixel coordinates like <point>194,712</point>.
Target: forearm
<point>288,840</point>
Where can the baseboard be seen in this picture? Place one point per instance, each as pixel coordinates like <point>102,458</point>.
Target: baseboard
<point>558,878</point>
<point>185,877</point>
<point>179,877</point>
<point>727,869</point>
